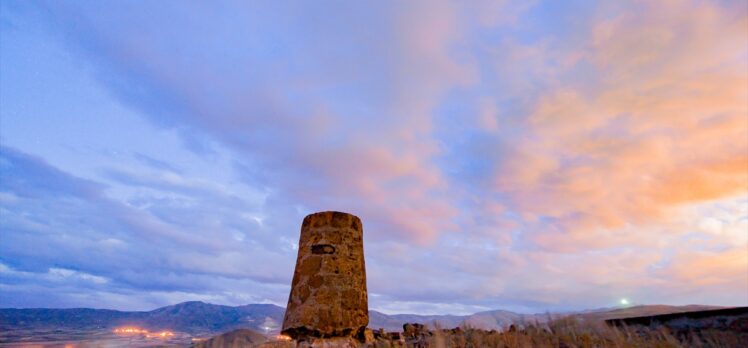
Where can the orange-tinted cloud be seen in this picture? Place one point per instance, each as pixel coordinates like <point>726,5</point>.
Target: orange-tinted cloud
<point>665,123</point>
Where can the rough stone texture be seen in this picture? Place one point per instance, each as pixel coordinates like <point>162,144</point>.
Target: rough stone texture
<point>335,342</point>
<point>328,293</point>
<point>368,336</point>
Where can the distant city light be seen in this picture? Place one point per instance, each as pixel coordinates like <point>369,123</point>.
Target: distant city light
<point>162,334</point>
<point>131,330</point>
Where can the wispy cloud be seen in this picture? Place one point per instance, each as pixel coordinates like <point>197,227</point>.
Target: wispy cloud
<point>522,151</point>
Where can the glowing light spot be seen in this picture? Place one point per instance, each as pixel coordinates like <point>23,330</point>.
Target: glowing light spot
<point>283,338</point>
<point>133,330</point>
<point>624,302</point>
<point>130,330</point>
<point>162,334</point>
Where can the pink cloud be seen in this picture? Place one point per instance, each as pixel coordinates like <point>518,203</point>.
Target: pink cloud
<point>663,125</point>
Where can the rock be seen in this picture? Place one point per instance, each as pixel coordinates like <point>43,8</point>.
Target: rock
<point>414,330</point>
<point>367,336</point>
<point>328,293</point>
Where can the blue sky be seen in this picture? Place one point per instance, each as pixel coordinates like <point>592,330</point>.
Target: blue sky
<point>526,156</point>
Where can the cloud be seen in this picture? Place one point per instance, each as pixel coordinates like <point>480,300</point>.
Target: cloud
<point>65,230</point>
<point>319,149</point>
<point>156,163</point>
<point>661,126</point>
<point>537,157</point>
<point>31,177</point>
<point>54,275</point>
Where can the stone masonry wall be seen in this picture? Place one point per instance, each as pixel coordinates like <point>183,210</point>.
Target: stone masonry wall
<point>328,293</point>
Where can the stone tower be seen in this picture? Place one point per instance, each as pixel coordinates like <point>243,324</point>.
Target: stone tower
<point>328,293</point>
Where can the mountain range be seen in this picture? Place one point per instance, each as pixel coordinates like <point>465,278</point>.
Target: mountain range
<point>199,318</point>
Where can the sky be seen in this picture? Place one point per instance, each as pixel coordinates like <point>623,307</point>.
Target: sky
<point>529,156</point>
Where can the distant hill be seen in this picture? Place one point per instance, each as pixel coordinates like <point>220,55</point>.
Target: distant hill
<point>233,339</point>
<point>191,317</point>
<point>394,322</point>
<point>501,319</point>
<point>640,311</point>
<point>199,318</point>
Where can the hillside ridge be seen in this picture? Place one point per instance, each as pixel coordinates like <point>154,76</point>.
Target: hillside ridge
<point>197,317</point>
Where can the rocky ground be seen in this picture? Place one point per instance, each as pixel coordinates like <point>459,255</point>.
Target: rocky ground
<point>569,332</point>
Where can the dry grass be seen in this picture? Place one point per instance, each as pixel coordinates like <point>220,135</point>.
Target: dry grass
<point>567,333</point>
